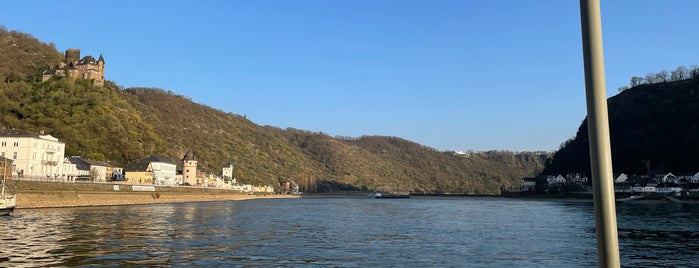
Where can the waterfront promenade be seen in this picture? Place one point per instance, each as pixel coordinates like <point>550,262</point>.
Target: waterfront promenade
<point>41,194</point>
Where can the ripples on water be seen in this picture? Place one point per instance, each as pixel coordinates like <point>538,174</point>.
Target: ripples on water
<point>346,232</point>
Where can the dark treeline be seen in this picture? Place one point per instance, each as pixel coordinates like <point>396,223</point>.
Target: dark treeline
<point>680,73</point>
<point>653,129</point>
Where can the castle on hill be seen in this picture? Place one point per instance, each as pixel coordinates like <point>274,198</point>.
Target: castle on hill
<point>73,66</point>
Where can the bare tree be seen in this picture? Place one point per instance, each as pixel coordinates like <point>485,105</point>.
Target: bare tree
<point>650,78</point>
<point>662,76</point>
<point>694,71</point>
<point>679,74</point>
<point>636,80</point>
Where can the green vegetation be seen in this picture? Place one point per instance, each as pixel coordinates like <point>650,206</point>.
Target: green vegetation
<point>653,128</point>
<point>123,125</point>
<point>23,58</point>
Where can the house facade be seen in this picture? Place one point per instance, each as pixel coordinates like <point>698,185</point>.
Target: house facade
<point>556,180</point>
<point>90,170</point>
<point>82,169</point>
<point>528,184</point>
<point>34,155</point>
<point>139,172</point>
<point>70,170</point>
<point>164,170</point>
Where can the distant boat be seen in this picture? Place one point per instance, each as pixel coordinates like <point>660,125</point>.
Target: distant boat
<point>631,198</point>
<point>382,195</point>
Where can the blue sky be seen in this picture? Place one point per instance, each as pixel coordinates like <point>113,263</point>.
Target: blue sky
<point>451,75</point>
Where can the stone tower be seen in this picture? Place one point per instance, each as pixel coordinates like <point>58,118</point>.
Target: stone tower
<point>72,56</point>
<point>189,168</point>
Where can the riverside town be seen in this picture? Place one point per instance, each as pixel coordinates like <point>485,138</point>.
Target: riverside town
<point>41,157</point>
<point>626,187</point>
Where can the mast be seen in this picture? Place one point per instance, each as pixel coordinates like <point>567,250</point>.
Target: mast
<point>598,131</point>
<point>4,175</point>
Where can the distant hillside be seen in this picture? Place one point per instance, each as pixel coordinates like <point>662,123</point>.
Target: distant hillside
<point>653,127</point>
<point>123,125</point>
<point>22,57</point>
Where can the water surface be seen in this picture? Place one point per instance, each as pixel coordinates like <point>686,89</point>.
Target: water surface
<point>347,232</point>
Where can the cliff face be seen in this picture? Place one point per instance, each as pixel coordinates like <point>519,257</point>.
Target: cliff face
<point>124,125</point>
<point>653,128</point>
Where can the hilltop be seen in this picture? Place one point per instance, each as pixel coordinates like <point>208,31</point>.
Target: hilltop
<point>653,128</point>
<point>119,125</point>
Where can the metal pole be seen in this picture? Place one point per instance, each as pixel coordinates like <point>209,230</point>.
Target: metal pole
<point>598,129</point>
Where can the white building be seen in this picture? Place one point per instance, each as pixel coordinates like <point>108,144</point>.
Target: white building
<point>621,178</point>
<point>34,155</point>
<point>164,170</point>
<point>92,170</point>
<point>228,170</point>
<point>228,174</point>
<point>671,189</point>
<point>555,180</point>
<point>70,170</point>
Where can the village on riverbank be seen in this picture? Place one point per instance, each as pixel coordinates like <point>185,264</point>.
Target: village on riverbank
<point>41,157</point>
<point>36,167</point>
<point>678,188</point>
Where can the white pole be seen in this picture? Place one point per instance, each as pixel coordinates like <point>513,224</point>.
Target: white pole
<point>598,129</point>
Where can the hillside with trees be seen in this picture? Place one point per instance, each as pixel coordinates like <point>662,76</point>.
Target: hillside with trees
<point>653,128</point>
<point>120,125</point>
<point>23,57</point>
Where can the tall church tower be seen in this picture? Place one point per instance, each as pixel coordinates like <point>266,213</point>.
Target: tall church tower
<point>189,168</point>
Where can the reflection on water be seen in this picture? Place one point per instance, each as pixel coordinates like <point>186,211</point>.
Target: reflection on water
<point>659,234</point>
<point>349,232</point>
<point>33,239</point>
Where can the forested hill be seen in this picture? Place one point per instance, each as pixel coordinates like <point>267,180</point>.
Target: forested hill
<point>653,128</point>
<point>122,125</point>
<point>22,57</point>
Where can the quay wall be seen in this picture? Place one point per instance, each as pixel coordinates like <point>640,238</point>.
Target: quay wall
<point>41,194</point>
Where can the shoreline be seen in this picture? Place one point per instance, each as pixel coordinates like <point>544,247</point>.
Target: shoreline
<point>63,199</point>
<point>39,194</point>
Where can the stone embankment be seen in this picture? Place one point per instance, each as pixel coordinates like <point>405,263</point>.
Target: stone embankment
<point>37,194</point>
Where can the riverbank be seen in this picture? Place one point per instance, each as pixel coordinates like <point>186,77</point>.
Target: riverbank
<point>37,194</point>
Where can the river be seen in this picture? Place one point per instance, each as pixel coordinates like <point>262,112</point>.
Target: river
<point>347,232</point>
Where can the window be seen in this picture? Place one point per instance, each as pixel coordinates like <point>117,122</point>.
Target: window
<point>16,144</point>
<point>34,156</point>
<point>4,143</point>
<point>14,155</point>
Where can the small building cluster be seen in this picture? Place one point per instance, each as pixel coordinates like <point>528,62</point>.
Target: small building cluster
<point>41,156</point>
<point>665,184</point>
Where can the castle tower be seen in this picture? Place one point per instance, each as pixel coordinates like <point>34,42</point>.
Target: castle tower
<point>99,81</point>
<point>72,56</point>
<point>100,64</point>
<point>189,168</point>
